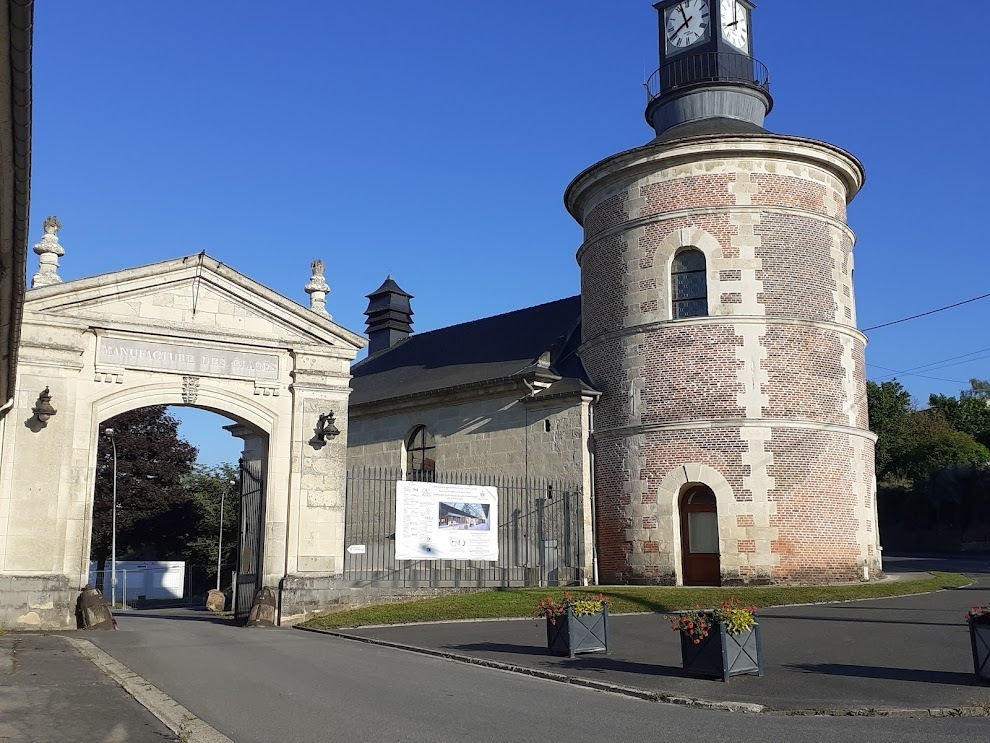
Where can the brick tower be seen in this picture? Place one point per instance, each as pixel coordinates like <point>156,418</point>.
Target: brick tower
<point>731,440</point>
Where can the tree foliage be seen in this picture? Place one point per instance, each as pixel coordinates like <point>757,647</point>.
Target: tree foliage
<point>933,465</point>
<point>970,415</point>
<point>152,462</point>
<point>209,488</point>
<point>889,406</point>
<point>931,444</point>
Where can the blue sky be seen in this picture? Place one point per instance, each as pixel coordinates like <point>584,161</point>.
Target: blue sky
<point>434,140</point>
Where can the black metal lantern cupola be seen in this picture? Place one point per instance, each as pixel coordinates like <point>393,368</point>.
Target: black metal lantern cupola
<point>707,69</point>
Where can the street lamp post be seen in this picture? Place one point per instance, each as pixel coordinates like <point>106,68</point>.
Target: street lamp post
<point>113,527</point>
<point>220,535</point>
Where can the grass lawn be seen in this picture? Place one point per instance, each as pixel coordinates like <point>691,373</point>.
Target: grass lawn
<point>519,602</point>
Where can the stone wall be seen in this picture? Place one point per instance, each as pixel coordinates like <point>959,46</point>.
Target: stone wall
<point>301,597</point>
<point>37,602</point>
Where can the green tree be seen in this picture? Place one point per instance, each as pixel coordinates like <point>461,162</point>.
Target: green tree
<point>931,444</point>
<point>889,408</point>
<point>151,463</point>
<point>207,487</point>
<point>979,388</point>
<point>969,414</point>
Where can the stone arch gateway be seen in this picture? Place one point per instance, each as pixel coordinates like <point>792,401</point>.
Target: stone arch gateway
<point>189,331</point>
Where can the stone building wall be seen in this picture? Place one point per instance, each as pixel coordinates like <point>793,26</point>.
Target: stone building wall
<point>480,436</point>
<point>487,436</point>
<point>763,399</point>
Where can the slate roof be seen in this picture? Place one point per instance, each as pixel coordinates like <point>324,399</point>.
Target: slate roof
<point>712,126</point>
<point>508,346</point>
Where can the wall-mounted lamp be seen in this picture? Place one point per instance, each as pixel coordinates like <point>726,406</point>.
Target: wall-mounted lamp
<point>43,409</point>
<point>325,428</point>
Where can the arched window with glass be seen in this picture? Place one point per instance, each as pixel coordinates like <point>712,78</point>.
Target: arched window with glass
<point>689,284</point>
<point>421,461</point>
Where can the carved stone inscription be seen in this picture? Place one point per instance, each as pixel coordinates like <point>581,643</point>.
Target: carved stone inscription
<point>187,359</point>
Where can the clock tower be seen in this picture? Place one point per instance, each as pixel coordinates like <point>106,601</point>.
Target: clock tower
<point>707,67</point>
<point>718,320</point>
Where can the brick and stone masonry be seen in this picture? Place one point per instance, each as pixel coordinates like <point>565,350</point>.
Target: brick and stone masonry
<point>764,399</point>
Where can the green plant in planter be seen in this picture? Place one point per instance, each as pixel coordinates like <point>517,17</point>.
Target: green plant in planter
<point>720,642</point>
<point>575,625</point>
<point>552,608</point>
<point>698,623</point>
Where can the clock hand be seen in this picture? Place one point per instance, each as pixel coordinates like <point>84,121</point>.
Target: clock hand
<point>686,22</point>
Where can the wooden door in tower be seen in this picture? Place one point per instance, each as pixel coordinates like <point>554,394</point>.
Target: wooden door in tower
<point>699,537</point>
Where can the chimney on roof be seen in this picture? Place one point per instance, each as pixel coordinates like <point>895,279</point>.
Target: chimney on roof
<point>389,316</point>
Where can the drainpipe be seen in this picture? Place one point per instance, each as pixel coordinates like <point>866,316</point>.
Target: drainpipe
<point>532,392</point>
<point>594,509</point>
<point>3,423</point>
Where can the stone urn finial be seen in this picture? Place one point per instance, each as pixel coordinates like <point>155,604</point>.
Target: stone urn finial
<point>317,289</point>
<point>49,251</point>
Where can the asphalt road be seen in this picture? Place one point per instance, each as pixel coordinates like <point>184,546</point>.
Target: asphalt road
<point>286,686</point>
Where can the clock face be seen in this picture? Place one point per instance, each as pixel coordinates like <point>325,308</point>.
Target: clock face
<point>735,25</point>
<point>686,23</point>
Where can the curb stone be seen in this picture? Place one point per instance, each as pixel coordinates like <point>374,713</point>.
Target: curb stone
<point>177,718</point>
<point>663,697</point>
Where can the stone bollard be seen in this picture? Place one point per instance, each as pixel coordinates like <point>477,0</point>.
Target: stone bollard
<point>93,611</point>
<point>215,601</point>
<point>264,610</point>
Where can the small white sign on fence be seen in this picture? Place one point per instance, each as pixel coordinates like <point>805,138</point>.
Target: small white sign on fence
<point>357,549</point>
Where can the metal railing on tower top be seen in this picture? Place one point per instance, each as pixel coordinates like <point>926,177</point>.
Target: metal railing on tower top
<point>705,68</point>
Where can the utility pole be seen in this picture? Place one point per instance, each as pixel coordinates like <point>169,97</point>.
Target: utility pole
<point>113,527</point>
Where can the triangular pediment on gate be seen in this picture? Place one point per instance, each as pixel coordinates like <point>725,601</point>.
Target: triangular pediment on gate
<point>194,295</point>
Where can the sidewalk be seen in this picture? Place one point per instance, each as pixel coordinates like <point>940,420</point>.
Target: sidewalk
<point>909,653</point>
<point>49,692</point>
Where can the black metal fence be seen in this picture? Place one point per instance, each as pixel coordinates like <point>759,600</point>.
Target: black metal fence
<point>707,67</point>
<point>540,535</point>
<point>249,543</point>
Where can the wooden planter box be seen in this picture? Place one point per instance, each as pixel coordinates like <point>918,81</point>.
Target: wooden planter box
<point>721,655</point>
<point>572,633</point>
<point>979,635</point>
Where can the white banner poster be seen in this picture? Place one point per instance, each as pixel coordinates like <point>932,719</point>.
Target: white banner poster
<point>445,522</point>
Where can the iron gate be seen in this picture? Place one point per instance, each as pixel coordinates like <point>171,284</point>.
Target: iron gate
<point>249,538</point>
<point>540,535</point>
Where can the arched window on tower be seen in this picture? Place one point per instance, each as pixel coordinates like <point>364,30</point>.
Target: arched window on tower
<point>421,455</point>
<point>689,284</point>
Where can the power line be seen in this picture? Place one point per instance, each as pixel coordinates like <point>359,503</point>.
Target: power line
<point>925,314</point>
<point>932,366</point>
<point>908,374</point>
<point>938,364</point>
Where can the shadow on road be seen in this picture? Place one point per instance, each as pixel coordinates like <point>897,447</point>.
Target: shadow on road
<point>859,620</point>
<point>893,674</point>
<point>604,664</point>
<point>180,615</point>
<point>967,563</point>
<point>497,647</point>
